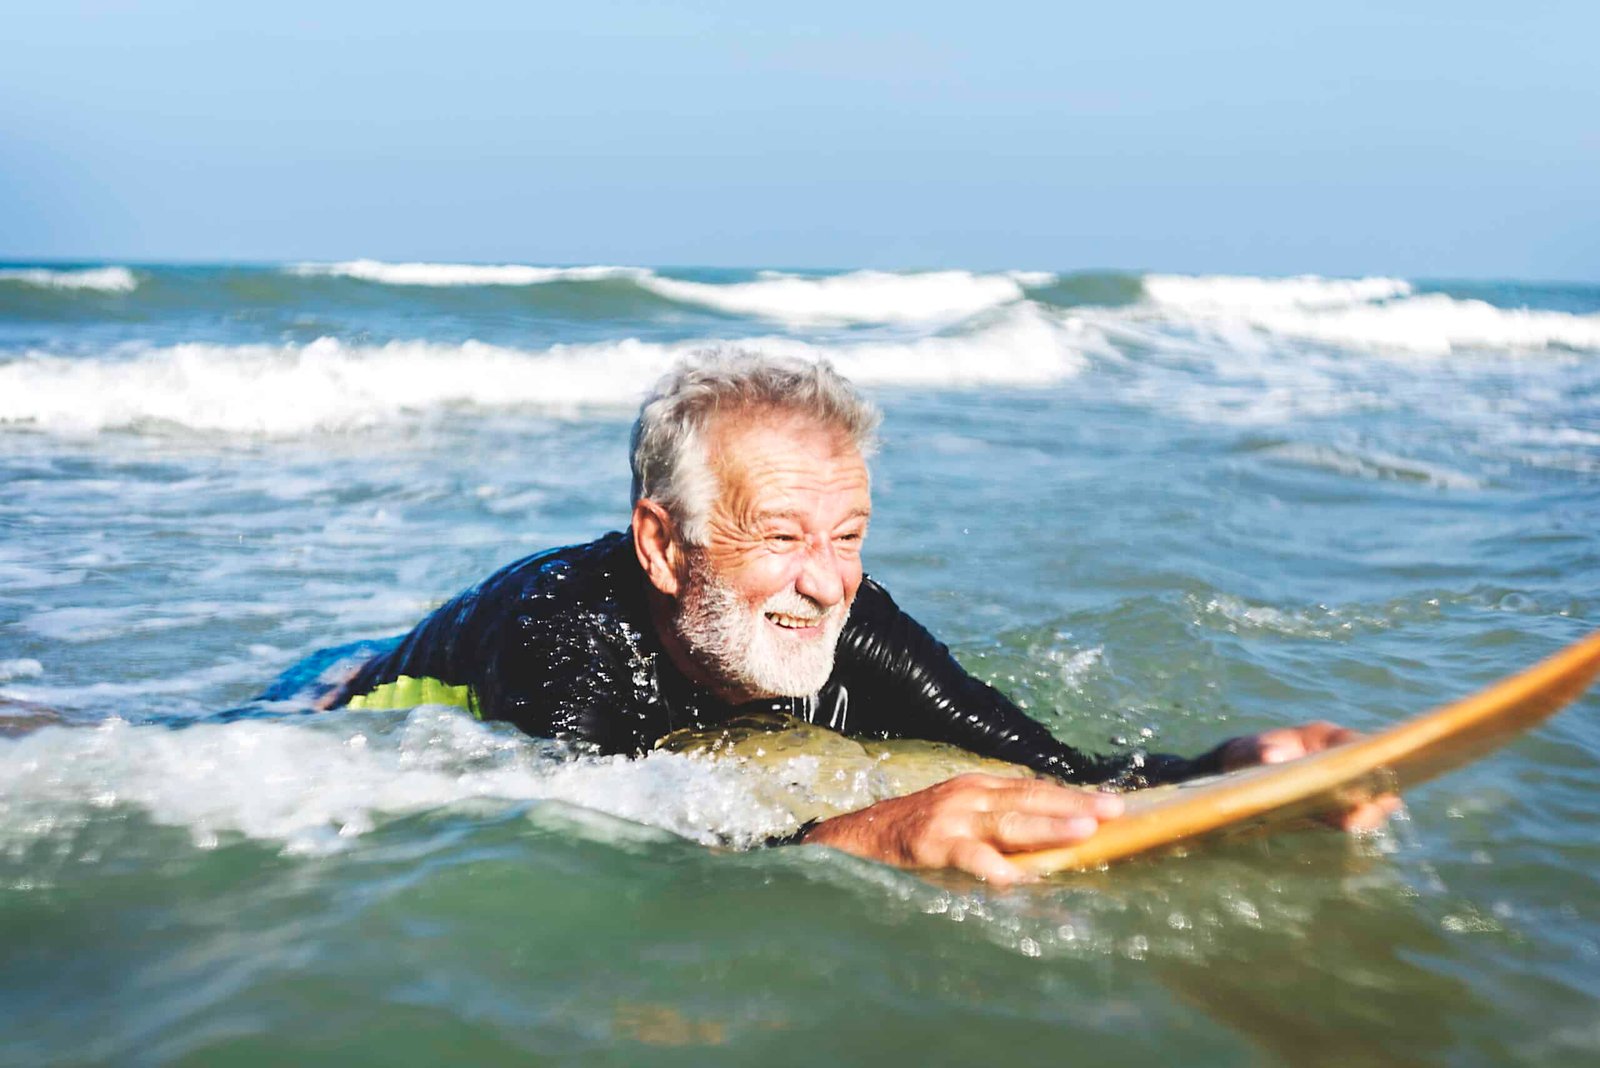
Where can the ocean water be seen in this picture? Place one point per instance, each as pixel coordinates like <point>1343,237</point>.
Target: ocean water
<point>1158,510</point>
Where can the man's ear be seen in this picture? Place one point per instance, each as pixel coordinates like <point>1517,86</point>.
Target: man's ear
<point>655,542</point>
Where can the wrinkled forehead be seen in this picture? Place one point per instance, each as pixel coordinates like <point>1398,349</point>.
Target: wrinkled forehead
<point>764,459</point>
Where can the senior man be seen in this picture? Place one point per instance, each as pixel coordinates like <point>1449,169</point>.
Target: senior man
<point>739,586</point>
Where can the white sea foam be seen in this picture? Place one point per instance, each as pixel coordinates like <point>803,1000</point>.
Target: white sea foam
<point>1244,293</point>
<point>1024,347</point>
<point>858,297</point>
<point>1237,616</point>
<point>1075,667</point>
<point>23,668</point>
<point>99,624</point>
<point>1434,324</point>
<point>1376,313</point>
<point>1555,436</point>
<point>314,785</point>
<point>155,694</point>
<point>1242,378</point>
<point>1372,464</point>
<point>104,279</point>
<point>15,577</point>
<point>459,274</point>
<point>332,385</point>
<point>285,390</point>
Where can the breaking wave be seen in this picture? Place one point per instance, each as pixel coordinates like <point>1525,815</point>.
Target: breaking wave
<point>329,384</point>
<point>1380,313</point>
<point>1212,293</point>
<point>315,785</point>
<point>857,297</point>
<point>458,274</point>
<point>102,279</point>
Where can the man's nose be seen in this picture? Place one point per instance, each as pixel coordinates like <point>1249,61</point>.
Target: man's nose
<point>821,576</point>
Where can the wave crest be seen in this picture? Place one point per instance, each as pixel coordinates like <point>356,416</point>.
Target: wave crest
<point>102,279</point>
<point>857,297</point>
<point>333,385</point>
<point>459,274</point>
<point>1244,293</point>
<point>1379,313</point>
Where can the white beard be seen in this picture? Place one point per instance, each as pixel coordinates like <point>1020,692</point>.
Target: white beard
<point>742,650</point>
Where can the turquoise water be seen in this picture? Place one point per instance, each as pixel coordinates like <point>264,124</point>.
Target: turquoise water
<point>1156,510</point>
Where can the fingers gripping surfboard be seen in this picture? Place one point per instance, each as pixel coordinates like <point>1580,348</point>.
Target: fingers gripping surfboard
<point>1333,780</point>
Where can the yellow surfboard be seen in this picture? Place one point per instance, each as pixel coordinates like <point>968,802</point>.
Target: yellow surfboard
<point>1333,780</point>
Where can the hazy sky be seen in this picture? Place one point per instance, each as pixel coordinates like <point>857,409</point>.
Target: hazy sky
<point>1423,139</point>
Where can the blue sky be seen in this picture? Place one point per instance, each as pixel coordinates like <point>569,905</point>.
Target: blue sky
<point>1421,139</point>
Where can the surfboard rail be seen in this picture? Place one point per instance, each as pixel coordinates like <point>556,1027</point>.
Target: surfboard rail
<point>1405,755</point>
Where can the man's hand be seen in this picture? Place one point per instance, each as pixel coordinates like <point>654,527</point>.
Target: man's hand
<point>1291,743</point>
<point>968,823</point>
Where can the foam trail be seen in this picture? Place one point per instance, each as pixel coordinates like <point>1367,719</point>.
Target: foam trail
<point>858,297</point>
<point>332,385</point>
<point>103,279</point>
<point>459,274</point>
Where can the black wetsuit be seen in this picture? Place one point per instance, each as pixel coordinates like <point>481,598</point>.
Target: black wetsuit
<point>561,644</point>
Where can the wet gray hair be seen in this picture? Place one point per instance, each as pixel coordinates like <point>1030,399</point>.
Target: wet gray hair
<point>670,461</point>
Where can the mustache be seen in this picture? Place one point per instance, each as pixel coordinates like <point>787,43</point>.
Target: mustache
<point>792,602</point>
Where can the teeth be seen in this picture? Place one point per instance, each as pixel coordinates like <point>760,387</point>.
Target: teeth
<point>793,622</point>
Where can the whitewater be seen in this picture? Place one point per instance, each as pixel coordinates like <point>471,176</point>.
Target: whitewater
<point>1156,509</point>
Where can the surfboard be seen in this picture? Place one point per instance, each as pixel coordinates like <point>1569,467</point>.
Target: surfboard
<point>1405,755</point>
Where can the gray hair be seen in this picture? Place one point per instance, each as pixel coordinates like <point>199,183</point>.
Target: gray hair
<point>670,462</point>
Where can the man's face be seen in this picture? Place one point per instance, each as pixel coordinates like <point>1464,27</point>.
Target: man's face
<point>763,601</point>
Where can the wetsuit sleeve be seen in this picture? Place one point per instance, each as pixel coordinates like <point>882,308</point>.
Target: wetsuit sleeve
<point>905,683</point>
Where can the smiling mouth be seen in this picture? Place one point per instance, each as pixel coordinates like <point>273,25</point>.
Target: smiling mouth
<point>788,622</point>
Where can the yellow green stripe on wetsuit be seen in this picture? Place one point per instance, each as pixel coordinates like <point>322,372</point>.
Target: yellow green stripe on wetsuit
<point>408,691</point>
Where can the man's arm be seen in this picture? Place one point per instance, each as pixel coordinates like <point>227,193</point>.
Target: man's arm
<point>971,822</point>
<point>904,683</point>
